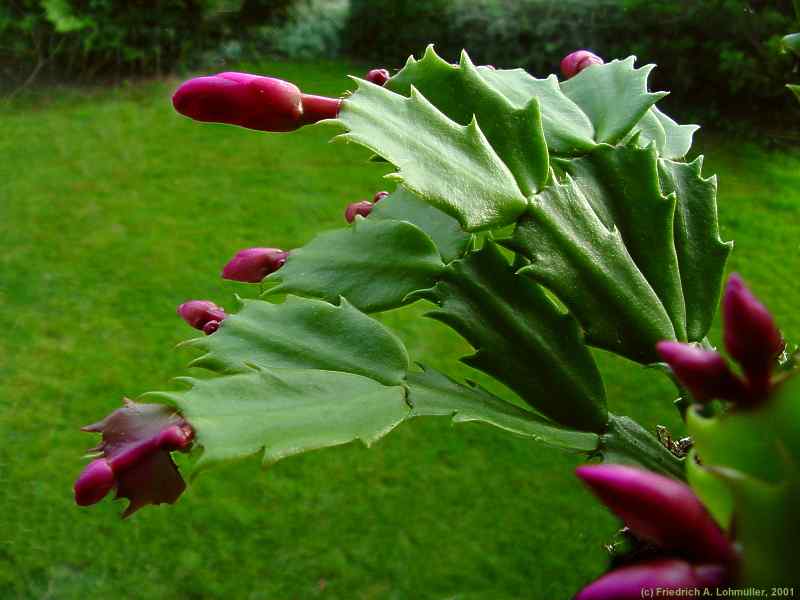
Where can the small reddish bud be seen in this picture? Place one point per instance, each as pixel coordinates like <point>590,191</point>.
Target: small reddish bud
<point>704,372</point>
<point>210,327</point>
<point>252,101</point>
<point>197,313</point>
<point>628,583</point>
<point>751,337</point>
<point>378,76</point>
<point>251,265</point>
<point>659,509</point>
<point>362,208</point>
<point>577,61</point>
<point>379,196</point>
<point>94,483</point>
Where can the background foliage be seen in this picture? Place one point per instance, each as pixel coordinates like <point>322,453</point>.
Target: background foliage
<point>722,59</point>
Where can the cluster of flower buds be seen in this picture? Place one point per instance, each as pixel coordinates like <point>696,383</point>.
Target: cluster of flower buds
<point>362,207</point>
<point>135,457</point>
<point>378,76</point>
<point>666,513</point>
<point>752,340</point>
<point>252,101</point>
<point>577,61</point>
<point>202,314</point>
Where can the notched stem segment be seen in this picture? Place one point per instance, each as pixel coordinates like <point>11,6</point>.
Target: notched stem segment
<point>522,338</point>
<point>627,442</point>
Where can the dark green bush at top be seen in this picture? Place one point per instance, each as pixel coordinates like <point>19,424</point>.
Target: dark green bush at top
<point>718,57</point>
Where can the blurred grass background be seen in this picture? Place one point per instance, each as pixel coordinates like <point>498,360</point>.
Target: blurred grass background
<point>113,210</point>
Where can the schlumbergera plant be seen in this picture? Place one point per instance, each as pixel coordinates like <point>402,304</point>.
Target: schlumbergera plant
<point>540,218</point>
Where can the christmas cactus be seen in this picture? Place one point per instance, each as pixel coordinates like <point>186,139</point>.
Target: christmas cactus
<point>538,218</point>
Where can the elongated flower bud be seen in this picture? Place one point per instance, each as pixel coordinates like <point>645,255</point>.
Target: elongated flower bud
<point>577,61</point>
<point>252,101</point>
<point>751,336</point>
<point>251,265</point>
<point>197,313</point>
<point>378,76</point>
<point>627,583</point>
<point>362,208</point>
<point>96,480</point>
<point>659,509</point>
<point>379,196</point>
<point>704,372</point>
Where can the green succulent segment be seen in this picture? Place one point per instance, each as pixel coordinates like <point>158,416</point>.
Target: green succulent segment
<point>302,333</point>
<point>374,264</point>
<point>586,264</point>
<point>755,457</point>
<point>567,129</point>
<point>462,93</point>
<point>614,96</point>
<point>452,166</point>
<point>621,184</point>
<point>625,442</point>
<point>521,338</point>
<point>431,393</point>
<point>452,241</point>
<point>281,412</point>
<point>711,489</point>
<point>701,252</point>
<point>671,140</point>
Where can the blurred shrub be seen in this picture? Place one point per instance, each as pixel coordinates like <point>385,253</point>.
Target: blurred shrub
<point>85,38</point>
<point>311,29</point>
<point>718,57</point>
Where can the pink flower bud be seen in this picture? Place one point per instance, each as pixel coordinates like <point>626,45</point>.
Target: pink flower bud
<point>197,313</point>
<point>704,372</point>
<point>94,483</point>
<point>252,101</point>
<point>378,76</point>
<point>577,61</point>
<point>379,196</point>
<point>362,208</point>
<point>627,583</point>
<point>253,264</point>
<point>751,336</point>
<point>659,509</point>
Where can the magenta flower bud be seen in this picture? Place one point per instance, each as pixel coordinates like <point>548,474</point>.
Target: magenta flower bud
<point>253,264</point>
<point>751,336</point>
<point>378,76</point>
<point>136,445</point>
<point>175,437</point>
<point>577,61</point>
<point>252,101</point>
<point>210,327</point>
<point>197,313</point>
<point>704,372</point>
<point>362,208</point>
<point>627,583</point>
<point>379,196</point>
<point>94,483</point>
<point>659,509</point>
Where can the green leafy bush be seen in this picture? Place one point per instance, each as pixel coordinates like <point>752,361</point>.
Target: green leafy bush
<point>720,57</point>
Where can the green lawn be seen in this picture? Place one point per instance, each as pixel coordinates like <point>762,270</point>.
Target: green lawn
<point>113,209</point>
